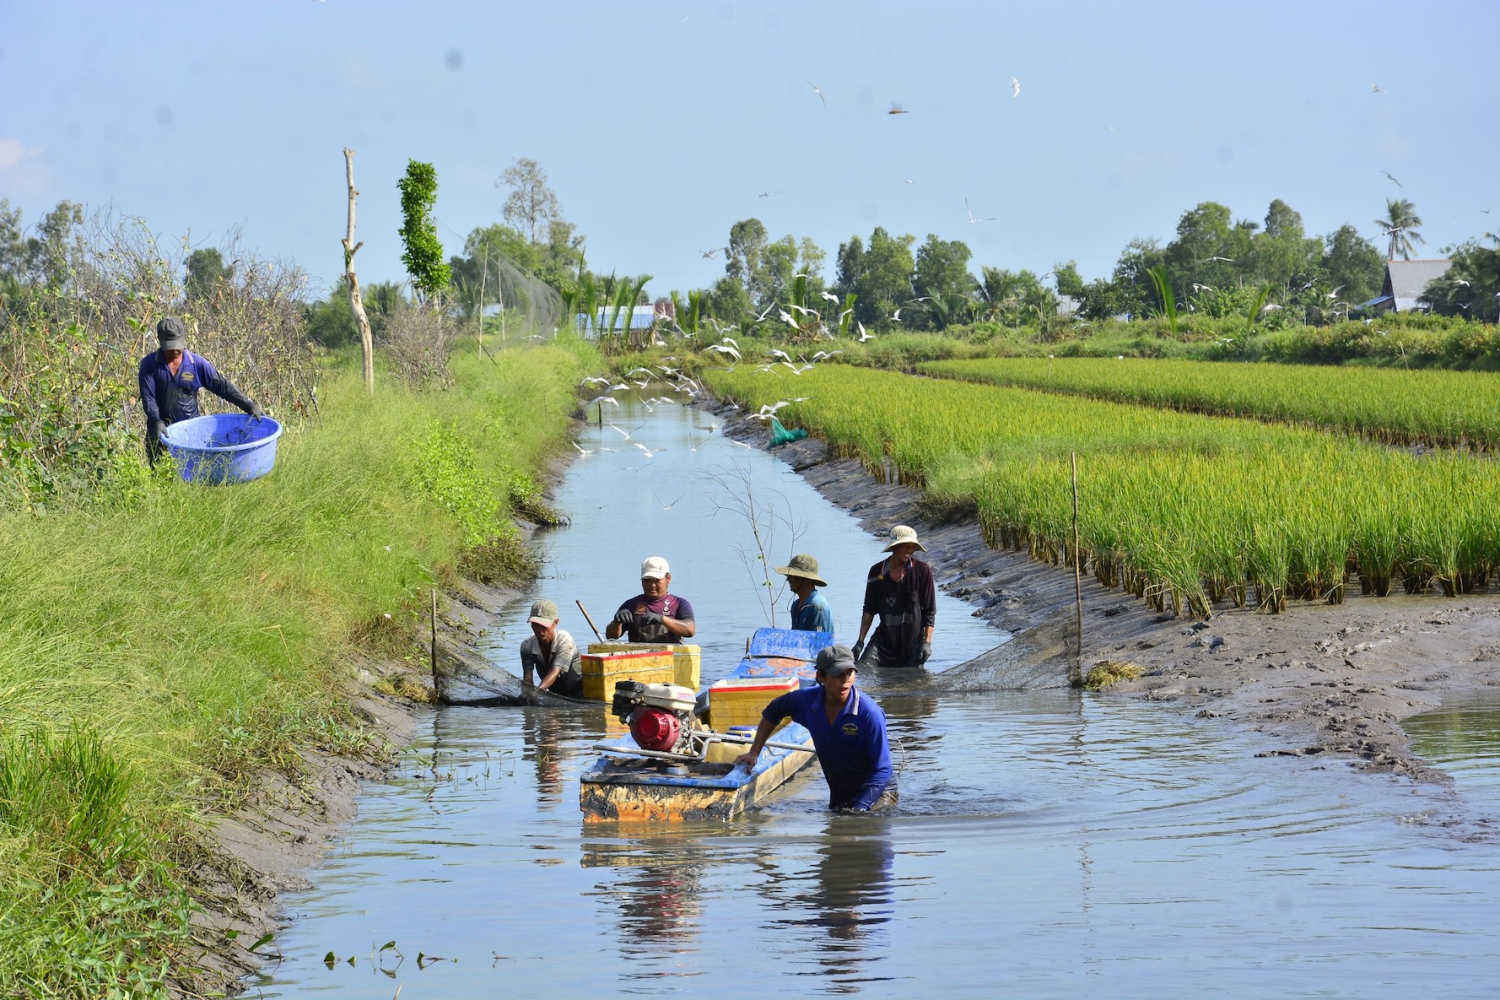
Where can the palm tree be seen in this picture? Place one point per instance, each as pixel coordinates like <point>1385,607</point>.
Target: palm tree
<point>1400,224</point>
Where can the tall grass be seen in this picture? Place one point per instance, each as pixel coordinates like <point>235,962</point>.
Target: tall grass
<point>202,634</point>
<point>1392,405</point>
<point>1181,510</point>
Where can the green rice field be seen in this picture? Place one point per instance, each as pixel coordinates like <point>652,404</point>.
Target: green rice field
<point>1431,407</point>
<point>1181,509</point>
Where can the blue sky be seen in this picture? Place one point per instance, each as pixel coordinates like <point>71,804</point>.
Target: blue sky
<point>660,124</point>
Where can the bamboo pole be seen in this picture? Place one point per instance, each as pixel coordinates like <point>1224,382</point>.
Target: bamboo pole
<point>1075,676</point>
<point>588,619</point>
<point>433,649</point>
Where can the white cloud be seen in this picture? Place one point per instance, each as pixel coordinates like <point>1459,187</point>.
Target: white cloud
<point>13,151</point>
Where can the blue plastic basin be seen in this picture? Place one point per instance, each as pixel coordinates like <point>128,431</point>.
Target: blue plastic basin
<point>223,447</point>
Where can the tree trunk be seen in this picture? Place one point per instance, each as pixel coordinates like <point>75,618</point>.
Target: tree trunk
<point>366,342</point>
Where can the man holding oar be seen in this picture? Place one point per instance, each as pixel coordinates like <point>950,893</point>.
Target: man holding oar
<point>848,731</point>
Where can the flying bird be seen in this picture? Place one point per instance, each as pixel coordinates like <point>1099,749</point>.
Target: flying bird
<point>724,350</point>
<point>973,220</point>
<point>864,335</point>
<point>830,297</point>
<point>896,315</point>
<point>1376,90</point>
<point>783,355</point>
<point>595,380</point>
<point>897,109</point>
<point>1227,260</point>
<point>814,86</point>
<point>762,317</point>
<point>710,253</point>
<point>1393,180</point>
<point>1015,87</point>
<point>765,194</point>
<point>910,181</point>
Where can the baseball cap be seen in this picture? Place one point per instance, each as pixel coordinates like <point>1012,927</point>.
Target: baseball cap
<point>835,661</point>
<point>654,568</point>
<point>543,612</point>
<point>171,334</point>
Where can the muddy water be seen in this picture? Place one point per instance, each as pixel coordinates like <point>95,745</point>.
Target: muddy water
<point>1047,844</point>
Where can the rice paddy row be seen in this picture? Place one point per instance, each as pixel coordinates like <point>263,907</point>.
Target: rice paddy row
<point>1182,510</point>
<point>1396,406</point>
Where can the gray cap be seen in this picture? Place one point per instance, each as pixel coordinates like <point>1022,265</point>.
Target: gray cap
<point>171,334</point>
<point>544,612</point>
<point>835,661</point>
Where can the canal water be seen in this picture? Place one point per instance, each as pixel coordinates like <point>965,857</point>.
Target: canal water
<point>1047,843</point>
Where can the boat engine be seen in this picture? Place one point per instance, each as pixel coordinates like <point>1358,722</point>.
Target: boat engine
<point>660,717</point>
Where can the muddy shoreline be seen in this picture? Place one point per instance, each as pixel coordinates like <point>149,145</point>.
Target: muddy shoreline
<point>1329,681</point>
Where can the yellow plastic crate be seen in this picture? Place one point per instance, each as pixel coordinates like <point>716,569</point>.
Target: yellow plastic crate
<point>686,657</point>
<point>739,701</point>
<point>602,670</point>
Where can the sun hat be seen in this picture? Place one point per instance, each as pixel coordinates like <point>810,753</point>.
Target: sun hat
<point>171,334</point>
<point>543,612</point>
<point>803,566</point>
<point>902,535</point>
<point>654,568</point>
<point>835,661</point>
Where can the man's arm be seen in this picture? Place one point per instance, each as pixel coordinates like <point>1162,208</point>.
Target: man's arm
<point>147,379</point>
<point>878,746</point>
<point>682,627</point>
<point>226,390</point>
<point>929,601</point>
<point>762,733</point>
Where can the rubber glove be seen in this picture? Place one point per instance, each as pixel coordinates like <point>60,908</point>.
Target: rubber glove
<point>256,410</point>
<point>625,617</point>
<point>158,427</point>
<point>859,647</point>
<point>925,653</point>
<point>650,618</point>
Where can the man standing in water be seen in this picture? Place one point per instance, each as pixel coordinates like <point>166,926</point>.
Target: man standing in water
<point>551,653</point>
<point>848,731</point>
<point>900,590</point>
<point>810,611</point>
<point>653,615</point>
<point>170,378</point>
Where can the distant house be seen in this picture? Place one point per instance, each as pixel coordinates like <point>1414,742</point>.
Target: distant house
<point>1405,281</point>
<point>1068,306</point>
<point>639,318</point>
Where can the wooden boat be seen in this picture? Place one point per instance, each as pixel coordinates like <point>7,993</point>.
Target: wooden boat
<point>631,784</point>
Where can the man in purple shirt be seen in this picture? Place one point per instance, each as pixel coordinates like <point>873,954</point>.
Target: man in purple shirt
<point>170,378</point>
<point>653,615</point>
<point>848,731</point>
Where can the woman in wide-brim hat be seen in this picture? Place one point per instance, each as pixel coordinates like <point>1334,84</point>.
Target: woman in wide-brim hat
<point>900,591</point>
<point>810,609</point>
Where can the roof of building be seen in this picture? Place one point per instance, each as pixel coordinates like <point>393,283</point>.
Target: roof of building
<point>1406,280</point>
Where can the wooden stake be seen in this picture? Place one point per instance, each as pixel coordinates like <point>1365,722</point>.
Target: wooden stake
<point>588,619</point>
<point>433,653</point>
<point>1075,677</point>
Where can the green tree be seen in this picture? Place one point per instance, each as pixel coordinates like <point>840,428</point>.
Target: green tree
<point>728,301</point>
<point>1400,224</point>
<point>205,271</point>
<point>12,244</point>
<point>1069,281</point>
<point>1005,295</point>
<point>531,204</point>
<point>1471,286</point>
<point>52,255</point>
<point>1282,255</point>
<point>941,273</point>
<point>886,273</point>
<point>1134,291</point>
<point>745,258</point>
<point>1351,264</point>
<point>423,256</point>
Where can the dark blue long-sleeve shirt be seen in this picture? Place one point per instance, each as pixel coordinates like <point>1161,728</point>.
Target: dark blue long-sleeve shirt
<point>853,749</point>
<point>170,398</point>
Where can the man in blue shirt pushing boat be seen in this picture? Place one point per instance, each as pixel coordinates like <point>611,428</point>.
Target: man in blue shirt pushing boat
<point>848,731</point>
<point>170,378</point>
<point>810,610</point>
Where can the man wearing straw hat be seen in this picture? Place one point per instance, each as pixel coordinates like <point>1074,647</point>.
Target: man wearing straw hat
<point>900,590</point>
<point>551,653</point>
<point>810,610</point>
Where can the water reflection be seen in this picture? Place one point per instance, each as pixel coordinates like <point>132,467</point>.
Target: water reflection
<point>848,897</point>
<point>542,730</point>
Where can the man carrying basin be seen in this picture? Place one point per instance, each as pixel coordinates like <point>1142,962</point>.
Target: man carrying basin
<point>847,727</point>
<point>810,610</point>
<point>900,590</point>
<point>551,653</point>
<point>653,615</point>
<point>170,378</point>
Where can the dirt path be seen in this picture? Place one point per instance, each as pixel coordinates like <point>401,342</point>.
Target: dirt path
<point>1319,678</point>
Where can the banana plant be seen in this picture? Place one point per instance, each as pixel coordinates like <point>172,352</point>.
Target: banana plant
<point>1162,282</point>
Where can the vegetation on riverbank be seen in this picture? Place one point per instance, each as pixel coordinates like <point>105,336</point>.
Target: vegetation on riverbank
<point>1441,408</point>
<point>1179,509</point>
<point>162,645</point>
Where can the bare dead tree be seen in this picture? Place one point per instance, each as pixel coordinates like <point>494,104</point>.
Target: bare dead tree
<point>764,519</point>
<point>366,341</point>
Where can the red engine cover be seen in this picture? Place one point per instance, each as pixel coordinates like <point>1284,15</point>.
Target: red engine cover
<point>654,728</point>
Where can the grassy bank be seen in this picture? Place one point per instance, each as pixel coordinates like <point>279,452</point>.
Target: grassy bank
<point>160,648</point>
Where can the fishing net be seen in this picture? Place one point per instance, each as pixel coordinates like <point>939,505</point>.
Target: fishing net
<point>780,435</point>
<point>463,679</point>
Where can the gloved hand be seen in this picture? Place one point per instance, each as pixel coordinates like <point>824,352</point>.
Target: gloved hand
<point>624,617</point>
<point>256,410</point>
<point>925,653</point>
<point>157,428</point>
<point>650,618</point>
<point>859,647</point>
